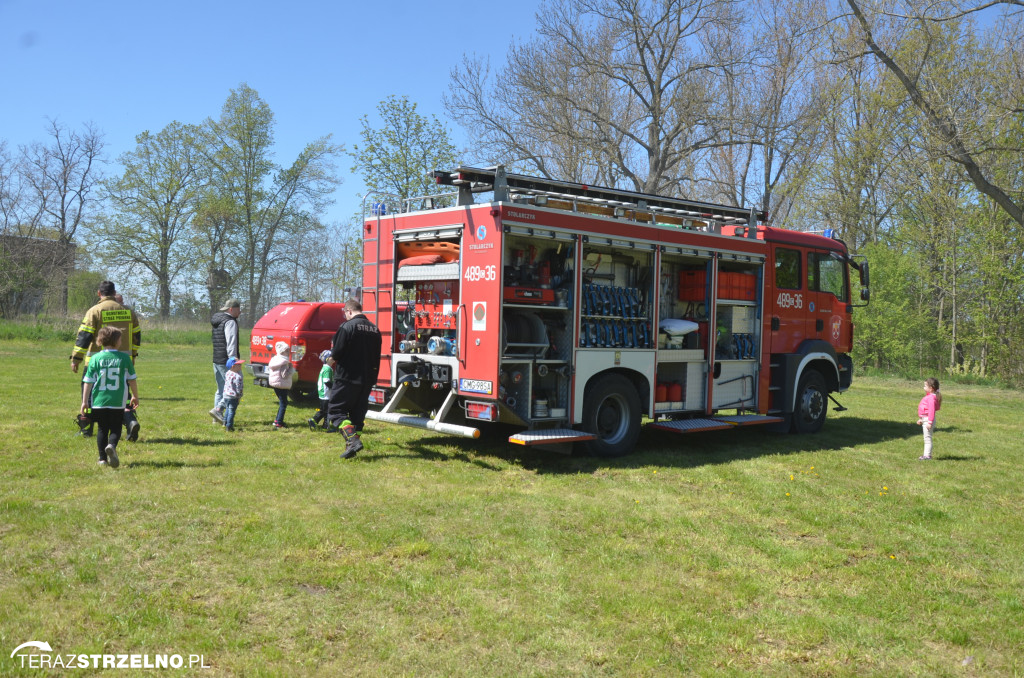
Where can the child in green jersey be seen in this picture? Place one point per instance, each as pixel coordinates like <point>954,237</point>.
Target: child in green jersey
<point>108,379</point>
<point>323,389</point>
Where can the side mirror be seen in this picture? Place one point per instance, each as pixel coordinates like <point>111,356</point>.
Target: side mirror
<point>865,282</point>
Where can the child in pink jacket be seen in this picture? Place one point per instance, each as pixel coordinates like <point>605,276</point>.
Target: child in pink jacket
<point>279,376</point>
<point>926,409</point>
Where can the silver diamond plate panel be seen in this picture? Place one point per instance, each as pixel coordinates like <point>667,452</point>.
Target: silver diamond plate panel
<point>550,435</point>
<point>746,419</point>
<point>691,425</point>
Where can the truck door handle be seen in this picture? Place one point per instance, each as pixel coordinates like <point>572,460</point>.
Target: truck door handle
<point>819,325</point>
<point>775,324</point>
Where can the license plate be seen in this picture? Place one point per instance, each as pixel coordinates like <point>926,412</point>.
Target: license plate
<point>476,386</point>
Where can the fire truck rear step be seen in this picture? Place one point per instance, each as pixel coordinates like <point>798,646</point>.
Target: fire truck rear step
<point>713,423</point>
<point>551,436</point>
<point>387,414</point>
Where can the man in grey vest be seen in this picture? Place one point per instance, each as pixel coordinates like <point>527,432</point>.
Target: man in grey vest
<point>225,345</point>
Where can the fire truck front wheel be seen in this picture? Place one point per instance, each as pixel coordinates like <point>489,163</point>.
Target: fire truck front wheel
<point>811,403</point>
<point>611,411</point>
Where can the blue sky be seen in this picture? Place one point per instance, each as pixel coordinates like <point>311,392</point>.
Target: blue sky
<point>134,66</point>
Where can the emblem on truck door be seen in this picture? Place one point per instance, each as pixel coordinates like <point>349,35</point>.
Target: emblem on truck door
<point>479,316</point>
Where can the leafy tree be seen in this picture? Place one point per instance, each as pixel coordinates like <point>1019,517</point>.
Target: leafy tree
<point>267,202</point>
<point>218,255</point>
<point>398,156</point>
<point>154,202</point>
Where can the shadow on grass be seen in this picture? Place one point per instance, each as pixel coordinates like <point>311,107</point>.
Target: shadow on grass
<point>958,457</point>
<point>375,449</point>
<point>657,448</point>
<point>199,442</point>
<point>165,398</point>
<point>173,464</point>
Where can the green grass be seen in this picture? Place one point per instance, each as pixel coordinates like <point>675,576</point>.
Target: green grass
<point>66,329</point>
<point>725,553</point>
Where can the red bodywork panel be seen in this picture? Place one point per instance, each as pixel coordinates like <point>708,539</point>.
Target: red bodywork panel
<point>299,323</point>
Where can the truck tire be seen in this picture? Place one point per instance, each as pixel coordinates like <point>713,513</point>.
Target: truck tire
<point>811,403</point>
<point>611,411</point>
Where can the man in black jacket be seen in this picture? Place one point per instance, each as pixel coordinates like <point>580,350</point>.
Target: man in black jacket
<point>225,345</point>
<point>356,353</point>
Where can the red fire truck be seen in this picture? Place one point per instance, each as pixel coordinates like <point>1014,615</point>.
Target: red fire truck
<point>575,311</point>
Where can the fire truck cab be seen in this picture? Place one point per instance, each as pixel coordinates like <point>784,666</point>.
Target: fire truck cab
<point>575,311</point>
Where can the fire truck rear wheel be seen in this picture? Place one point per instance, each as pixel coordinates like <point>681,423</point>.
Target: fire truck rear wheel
<point>811,403</point>
<point>611,411</point>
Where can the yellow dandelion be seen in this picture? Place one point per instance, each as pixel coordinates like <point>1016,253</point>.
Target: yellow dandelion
<point>892,556</point>
<point>787,494</point>
<point>791,476</point>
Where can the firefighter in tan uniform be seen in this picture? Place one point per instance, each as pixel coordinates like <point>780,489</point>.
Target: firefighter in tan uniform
<point>107,312</point>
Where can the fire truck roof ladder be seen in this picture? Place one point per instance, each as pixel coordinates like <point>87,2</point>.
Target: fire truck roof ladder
<point>472,180</point>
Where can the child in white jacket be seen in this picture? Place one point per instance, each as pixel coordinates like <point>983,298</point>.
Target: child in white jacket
<point>280,373</point>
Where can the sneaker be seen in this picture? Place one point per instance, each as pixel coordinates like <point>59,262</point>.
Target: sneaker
<point>924,458</point>
<point>278,424</point>
<point>133,431</point>
<point>112,456</point>
<point>229,429</point>
<point>353,446</point>
<point>311,423</point>
<point>102,462</point>
<point>217,415</point>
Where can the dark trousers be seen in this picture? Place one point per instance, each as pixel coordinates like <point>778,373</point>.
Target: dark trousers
<point>321,415</point>
<point>108,427</point>
<point>349,401</point>
<point>282,404</point>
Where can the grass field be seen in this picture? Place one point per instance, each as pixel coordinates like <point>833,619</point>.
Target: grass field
<point>725,553</point>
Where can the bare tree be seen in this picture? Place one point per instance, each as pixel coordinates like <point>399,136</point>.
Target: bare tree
<point>10,191</point>
<point>969,125</point>
<point>774,101</point>
<point>619,91</point>
<point>59,177</point>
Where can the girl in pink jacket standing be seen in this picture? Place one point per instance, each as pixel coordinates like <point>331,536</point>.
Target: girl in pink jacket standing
<point>280,372</point>
<point>926,409</point>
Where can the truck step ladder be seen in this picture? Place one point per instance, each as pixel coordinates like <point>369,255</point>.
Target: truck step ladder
<point>713,423</point>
